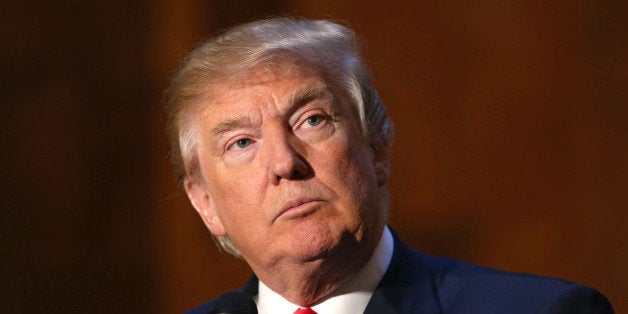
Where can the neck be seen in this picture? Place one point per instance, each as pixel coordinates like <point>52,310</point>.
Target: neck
<point>308,283</point>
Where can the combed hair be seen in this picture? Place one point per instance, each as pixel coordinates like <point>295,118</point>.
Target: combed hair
<point>329,48</point>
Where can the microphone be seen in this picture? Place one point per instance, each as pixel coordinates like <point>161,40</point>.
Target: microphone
<point>234,303</point>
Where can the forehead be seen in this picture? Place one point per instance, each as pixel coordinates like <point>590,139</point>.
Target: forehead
<point>266,85</point>
<point>272,76</point>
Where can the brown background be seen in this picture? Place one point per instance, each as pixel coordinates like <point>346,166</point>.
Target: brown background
<point>511,150</point>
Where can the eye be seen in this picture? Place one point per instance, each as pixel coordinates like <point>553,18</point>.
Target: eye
<point>242,143</point>
<point>315,120</point>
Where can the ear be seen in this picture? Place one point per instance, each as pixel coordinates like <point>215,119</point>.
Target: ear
<point>381,161</point>
<point>202,202</point>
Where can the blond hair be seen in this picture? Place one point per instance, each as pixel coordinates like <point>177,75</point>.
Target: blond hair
<point>327,47</point>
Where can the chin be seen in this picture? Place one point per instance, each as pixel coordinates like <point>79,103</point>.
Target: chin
<point>319,240</point>
<point>313,240</point>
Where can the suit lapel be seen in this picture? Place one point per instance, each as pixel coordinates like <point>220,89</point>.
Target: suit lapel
<point>407,286</point>
<point>379,304</point>
<point>251,287</point>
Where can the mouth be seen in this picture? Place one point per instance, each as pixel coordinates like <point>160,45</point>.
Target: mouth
<point>298,208</point>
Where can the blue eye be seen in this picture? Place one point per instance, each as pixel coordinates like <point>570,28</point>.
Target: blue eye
<point>242,143</point>
<point>314,120</point>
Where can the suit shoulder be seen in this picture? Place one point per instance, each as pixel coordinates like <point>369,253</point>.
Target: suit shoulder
<point>444,270</point>
<point>249,288</point>
<point>203,308</point>
<point>578,299</point>
<point>459,285</point>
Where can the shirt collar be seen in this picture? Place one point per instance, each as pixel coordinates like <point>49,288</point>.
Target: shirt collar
<point>351,297</point>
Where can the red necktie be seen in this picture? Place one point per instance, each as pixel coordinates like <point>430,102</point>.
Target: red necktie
<point>305,311</point>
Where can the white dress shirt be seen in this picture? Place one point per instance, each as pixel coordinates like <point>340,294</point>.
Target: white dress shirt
<point>351,297</point>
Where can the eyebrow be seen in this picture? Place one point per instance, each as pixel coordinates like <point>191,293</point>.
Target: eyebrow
<point>299,98</point>
<point>306,94</point>
<point>231,124</point>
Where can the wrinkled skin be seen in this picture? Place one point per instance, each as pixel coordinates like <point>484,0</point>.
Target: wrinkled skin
<point>288,177</point>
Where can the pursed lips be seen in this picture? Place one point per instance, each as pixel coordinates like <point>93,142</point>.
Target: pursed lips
<point>297,207</point>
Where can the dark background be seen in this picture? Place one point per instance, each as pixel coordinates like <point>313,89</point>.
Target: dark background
<point>511,120</point>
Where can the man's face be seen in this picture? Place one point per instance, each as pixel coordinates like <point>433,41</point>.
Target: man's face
<point>286,172</point>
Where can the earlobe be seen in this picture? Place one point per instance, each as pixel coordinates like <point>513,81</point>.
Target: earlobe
<point>381,163</point>
<point>382,172</point>
<point>202,202</point>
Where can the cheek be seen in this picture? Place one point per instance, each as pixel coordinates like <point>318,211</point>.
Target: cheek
<point>351,166</point>
<point>234,197</point>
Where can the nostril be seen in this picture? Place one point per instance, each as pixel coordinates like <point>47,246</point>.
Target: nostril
<point>297,175</point>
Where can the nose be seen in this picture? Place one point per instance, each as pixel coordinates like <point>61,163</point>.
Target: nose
<point>284,162</point>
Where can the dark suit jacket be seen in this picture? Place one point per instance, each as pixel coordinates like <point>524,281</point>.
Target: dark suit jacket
<point>420,283</point>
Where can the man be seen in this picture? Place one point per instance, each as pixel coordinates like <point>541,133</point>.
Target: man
<point>282,146</point>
